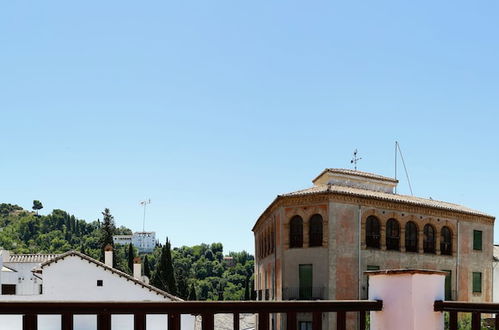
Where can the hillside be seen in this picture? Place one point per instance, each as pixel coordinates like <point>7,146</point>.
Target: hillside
<point>199,267</point>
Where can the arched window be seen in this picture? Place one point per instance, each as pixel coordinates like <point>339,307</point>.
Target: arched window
<point>411,237</point>
<point>392,235</point>
<point>315,230</point>
<point>429,239</point>
<point>296,232</point>
<point>446,241</point>
<point>372,232</point>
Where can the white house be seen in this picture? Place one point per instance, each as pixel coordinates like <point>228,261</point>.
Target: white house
<point>78,277</point>
<point>144,241</point>
<point>495,270</point>
<point>16,277</point>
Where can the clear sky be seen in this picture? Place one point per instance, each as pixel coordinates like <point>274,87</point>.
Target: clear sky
<point>212,108</point>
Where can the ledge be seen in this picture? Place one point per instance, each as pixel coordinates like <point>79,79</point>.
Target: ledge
<point>405,271</point>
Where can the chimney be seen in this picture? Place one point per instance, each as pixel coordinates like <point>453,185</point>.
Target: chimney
<point>5,255</point>
<point>108,255</point>
<point>137,268</point>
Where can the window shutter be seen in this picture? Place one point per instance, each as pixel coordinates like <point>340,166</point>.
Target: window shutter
<point>477,282</point>
<point>477,239</point>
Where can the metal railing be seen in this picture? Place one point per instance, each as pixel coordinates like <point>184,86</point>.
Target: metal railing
<point>207,310</point>
<point>476,310</point>
<point>308,293</point>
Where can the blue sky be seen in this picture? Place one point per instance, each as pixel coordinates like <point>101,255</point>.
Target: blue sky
<point>212,108</point>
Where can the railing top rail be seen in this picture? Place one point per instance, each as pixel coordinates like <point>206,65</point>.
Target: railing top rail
<point>188,307</point>
<point>464,306</point>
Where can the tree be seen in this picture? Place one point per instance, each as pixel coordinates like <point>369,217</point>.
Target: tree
<point>164,277</point>
<point>147,268</point>
<point>107,228</point>
<point>247,290</point>
<point>192,293</point>
<point>37,205</point>
<point>130,257</point>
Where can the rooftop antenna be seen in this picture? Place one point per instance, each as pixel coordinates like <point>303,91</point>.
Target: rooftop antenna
<point>144,203</point>
<point>355,159</point>
<point>397,151</point>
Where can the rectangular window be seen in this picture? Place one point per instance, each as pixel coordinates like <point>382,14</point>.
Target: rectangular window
<point>477,282</point>
<point>448,285</point>
<point>9,289</point>
<point>371,267</point>
<point>40,289</point>
<point>305,325</point>
<point>100,283</point>
<point>305,278</point>
<point>477,240</point>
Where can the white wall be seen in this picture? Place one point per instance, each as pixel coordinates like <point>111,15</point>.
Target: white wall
<point>495,284</point>
<point>25,281</point>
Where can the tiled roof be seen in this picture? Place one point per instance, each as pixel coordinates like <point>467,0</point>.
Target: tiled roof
<point>496,253</point>
<point>356,173</point>
<point>112,270</point>
<point>417,201</point>
<point>31,258</point>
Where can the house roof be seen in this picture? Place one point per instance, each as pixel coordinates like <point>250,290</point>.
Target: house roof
<point>112,270</point>
<point>30,258</point>
<point>356,173</point>
<point>357,192</point>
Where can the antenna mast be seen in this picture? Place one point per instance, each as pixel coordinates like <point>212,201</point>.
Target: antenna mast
<point>398,150</point>
<point>144,203</point>
<point>355,159</point>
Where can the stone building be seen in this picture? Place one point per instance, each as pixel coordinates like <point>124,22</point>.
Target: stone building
<point>317,243</point>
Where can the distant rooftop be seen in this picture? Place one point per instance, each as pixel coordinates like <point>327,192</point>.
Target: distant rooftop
<point>30,258</point>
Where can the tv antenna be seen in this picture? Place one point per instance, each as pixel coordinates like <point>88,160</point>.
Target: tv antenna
<point>144,203</point>
<point>355,159</point>
<point>398,150</point>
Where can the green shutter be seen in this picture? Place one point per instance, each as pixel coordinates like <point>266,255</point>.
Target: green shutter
<point>448,285</point>
<point>477,239</point>
<point>477,282</point>
<point>305,278</point>
<point>370,267</point>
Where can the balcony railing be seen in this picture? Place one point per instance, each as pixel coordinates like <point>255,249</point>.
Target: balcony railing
<point>207,310</point>
<point>476,310</point>
<point>304,293</point>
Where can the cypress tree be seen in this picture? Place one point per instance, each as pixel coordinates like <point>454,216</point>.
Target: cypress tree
<point>107,229</point>
<point>164,277</point>
<point>147,269</point>
<point>131,255</point>
<point>246,290</point>
<point>192,293</point>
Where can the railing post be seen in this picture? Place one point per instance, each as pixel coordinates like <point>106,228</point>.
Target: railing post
<point>452,320</point>
<point>291,321</point>
<point>408,298</point>
<point>475,321</point>
<point>235,321</point>
<point>362,320</point>
<point>207,321</point>
<point>317,321</point>
<point>173,321</point>
<point>30,322</point>
<point>139,320</point>
<point>104,321</point>
<point>67,321</point>
<point>263,321</point>
<point>341,321</point>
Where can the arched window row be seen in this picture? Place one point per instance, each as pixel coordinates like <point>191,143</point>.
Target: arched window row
<point>315,226</point>
<point>411,239</point>
<point>266,241</point>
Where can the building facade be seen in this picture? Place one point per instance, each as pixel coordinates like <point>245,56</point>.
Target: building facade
<point>144,241</point>
<point>317,243</point>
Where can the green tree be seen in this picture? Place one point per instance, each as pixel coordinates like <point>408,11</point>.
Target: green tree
<point>192,293</point>
<point>107,228</point>
<point>164,277</point>
<point>37,205</point>
<point>130,257</point>
<point>147,267</point>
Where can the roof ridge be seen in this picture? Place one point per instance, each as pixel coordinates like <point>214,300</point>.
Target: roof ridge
<point>111,269</point>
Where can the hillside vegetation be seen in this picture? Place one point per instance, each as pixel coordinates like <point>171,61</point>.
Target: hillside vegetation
<point>197,272</point>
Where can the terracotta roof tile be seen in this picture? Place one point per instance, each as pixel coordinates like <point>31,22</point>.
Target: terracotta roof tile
<point>418,201</point>
<point>356,173</point>
<point>31,258</point>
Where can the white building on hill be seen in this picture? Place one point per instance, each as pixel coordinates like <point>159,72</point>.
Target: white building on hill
<point>144,241</point>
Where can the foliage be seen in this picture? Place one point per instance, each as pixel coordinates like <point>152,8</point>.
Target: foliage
<point>37,205</point>
<point>196,272</point>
